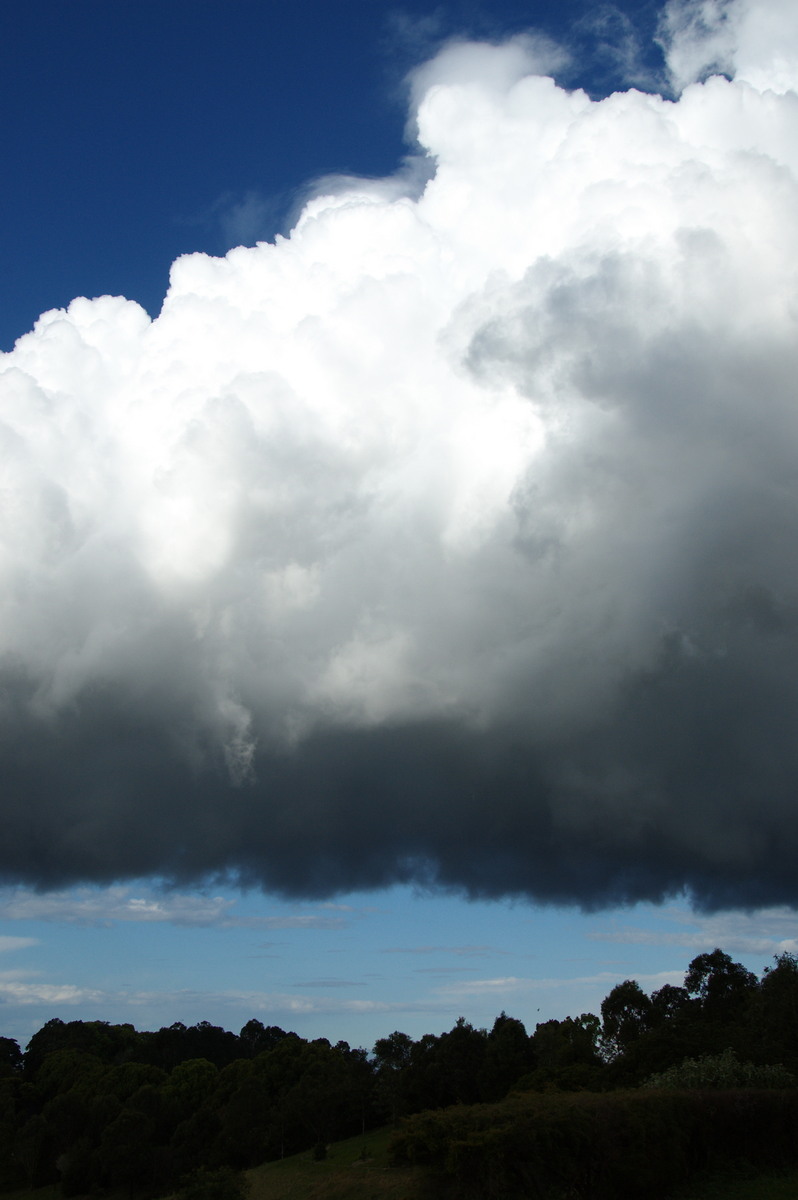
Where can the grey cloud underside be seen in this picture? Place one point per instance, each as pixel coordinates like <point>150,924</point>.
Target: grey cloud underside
<point>687,782</point>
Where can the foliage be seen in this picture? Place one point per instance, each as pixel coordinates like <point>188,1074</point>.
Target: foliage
<point>220,1184</point>
<point>717,981</point>
<point>721,1071</point>
<point>742,1184</point>
<point>603,1147</point>
<point>10,1057</point>
<point>625,1015</point>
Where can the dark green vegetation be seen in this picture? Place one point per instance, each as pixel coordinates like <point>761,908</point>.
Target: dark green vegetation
<point>92,1107</point>
<point>599,1146</point>
<point>362,1168</point>
<point>745,1185</point>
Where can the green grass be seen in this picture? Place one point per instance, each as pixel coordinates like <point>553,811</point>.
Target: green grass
<point>356,1169</point>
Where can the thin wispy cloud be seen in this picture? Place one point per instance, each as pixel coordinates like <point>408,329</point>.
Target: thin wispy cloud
<point>524,986</point>
<point>458,951</point>
<point>767,932</point>
<point>443,970</point>
<point>21,991</point>
<point>8,943</point>
<point>329,983</point>
<point>85,906</point>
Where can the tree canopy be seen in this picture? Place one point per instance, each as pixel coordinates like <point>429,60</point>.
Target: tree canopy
<point>77,1105</point>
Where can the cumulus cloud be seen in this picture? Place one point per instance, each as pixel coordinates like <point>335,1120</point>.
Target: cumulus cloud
<point>450,538</point>
<point>755,41</point>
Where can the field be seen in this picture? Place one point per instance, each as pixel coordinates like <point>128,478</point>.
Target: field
<point>358,1169</point>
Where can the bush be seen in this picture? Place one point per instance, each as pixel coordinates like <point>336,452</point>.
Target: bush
<point>220,1184</point>
<point>721,1071</point>
<point>610,1146</point>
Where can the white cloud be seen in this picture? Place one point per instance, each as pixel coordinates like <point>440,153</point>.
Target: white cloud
<point>756,41</point>
<point>484,66</point>
<point>8,943</point>
<point>459,951</point>
<point>90,906</point>
<point>14,992</point>
<point>524,986</point>
<point>280,1005</point>
<point>769,931</point>
<point>285,1003</point>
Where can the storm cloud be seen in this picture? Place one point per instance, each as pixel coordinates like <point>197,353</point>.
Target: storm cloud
<point>452,538</point>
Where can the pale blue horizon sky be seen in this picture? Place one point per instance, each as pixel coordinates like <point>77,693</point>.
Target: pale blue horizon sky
<point>355,968</point>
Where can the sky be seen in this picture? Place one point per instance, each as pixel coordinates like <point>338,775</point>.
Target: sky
<point>398,507</point>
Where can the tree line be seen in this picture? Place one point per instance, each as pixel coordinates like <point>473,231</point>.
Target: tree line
<point>85,1096</point>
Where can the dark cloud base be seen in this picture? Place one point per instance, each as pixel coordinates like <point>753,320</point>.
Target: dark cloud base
<point>688,782</point>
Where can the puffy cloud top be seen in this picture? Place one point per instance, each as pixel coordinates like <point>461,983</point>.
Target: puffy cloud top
<point>451,537</point>
<point>756,41</point>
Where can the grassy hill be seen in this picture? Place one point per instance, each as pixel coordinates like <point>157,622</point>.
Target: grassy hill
<point>356,1169</point>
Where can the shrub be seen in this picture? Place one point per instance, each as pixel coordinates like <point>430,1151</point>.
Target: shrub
<point>721,1071</point>
<point>220,1184</point>
<point>609,1146</point>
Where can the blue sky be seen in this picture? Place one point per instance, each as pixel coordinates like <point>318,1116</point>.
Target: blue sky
<point>133,133</point>
<point>354,968</point>
<point>580,723</point>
